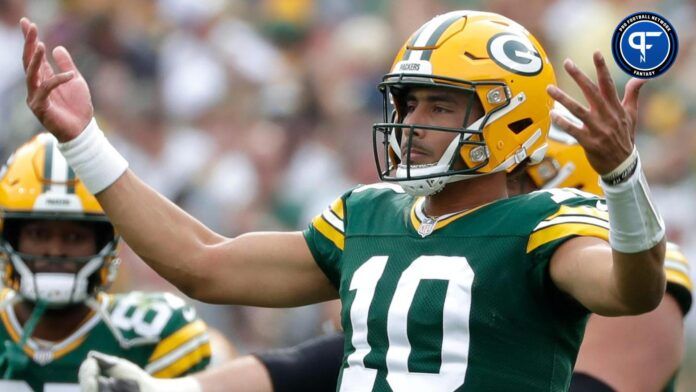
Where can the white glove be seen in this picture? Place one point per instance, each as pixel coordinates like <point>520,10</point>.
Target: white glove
<point>106,373</point>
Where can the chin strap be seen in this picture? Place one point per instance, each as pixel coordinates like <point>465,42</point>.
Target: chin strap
<point>14,355</point>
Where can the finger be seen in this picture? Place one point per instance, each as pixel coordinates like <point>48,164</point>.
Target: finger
<point>29,44</point>
<point>630,100</point>
<point>565,124</point>
<point>569,102</point>
<point>588,87</point>
<point>103,361</point>
<point>116,367</point>
<point>605,81</point>
<point>87,375</point>
<point>115,385</point>
<point>51,84</point>
<point>63,59</point>
<point>33,68</point>
<point>24,24</point>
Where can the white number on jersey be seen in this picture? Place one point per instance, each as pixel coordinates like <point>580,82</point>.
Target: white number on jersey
<point>455,323</point>
<point>135,321</point>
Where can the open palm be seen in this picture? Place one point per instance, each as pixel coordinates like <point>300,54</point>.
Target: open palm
<point>60,100</point>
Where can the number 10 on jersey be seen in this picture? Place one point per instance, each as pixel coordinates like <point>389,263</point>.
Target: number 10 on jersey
<point>455,325</point>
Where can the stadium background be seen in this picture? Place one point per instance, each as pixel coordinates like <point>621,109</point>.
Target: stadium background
<point>254,115</point>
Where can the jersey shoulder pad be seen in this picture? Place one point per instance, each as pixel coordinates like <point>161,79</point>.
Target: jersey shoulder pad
<point>677,271</point>
<point>566,213</point>
<point>185,345</point>
<point>362,202</point>
<point>331,222</point>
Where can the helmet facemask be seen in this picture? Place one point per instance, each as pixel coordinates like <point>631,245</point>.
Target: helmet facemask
<point>464,156</point>
<point>64,288</point>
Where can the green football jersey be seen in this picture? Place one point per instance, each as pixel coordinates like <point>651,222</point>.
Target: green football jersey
<point>465,303</point>
<point>156,331</point>
<point>680,286</point>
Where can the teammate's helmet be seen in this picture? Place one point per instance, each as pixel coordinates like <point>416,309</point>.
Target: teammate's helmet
<point>565,164</point>
<point>37,184</point>
<point>501,65</point>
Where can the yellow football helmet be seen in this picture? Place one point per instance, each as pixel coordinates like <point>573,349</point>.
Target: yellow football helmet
<point>490,57</point>
<point>565,164</point>
<point>37,184</point>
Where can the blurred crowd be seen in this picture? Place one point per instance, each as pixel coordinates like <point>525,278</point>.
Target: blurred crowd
<point>254,115</point>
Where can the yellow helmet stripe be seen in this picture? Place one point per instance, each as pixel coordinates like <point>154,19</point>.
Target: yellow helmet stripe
<point>56,173</point>
<point>71,180</point>
<point>48,165</point>
<point>430,34</point>
<point>432,41</point>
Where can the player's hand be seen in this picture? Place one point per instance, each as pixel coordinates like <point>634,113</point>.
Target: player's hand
<point>60,98</point>
<point>106,373</point>
<point>609,125</point>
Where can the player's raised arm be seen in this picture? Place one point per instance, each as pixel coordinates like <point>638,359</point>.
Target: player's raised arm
<point>266,269</point>
<point>629,278</point>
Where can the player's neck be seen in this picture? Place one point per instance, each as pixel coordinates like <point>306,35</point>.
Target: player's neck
<point>467,194</point>
<point>54,324</point>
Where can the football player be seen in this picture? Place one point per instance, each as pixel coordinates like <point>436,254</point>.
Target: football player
<point>618,353</point>
<point>58,253</point>
<point>446,283</point>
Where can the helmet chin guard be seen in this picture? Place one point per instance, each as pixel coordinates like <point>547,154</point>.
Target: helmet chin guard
<point>427,185</point>
<point>59,289</point>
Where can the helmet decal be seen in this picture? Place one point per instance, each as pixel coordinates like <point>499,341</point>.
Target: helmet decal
<point>515,53</point>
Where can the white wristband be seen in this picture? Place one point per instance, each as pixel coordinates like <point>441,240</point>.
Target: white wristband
<point>624,170</point>
<point>95,161</point>
<point>635,223</point>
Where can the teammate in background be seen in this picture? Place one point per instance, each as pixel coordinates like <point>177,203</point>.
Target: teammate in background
<point>619,353</point>
<point>59,252</point>
<point>637,353</point>
<point>446,283</point>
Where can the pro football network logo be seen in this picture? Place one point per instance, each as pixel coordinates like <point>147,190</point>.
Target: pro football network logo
<point>645,45</point>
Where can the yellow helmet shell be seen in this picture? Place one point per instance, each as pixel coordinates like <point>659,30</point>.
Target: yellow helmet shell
<point>508,71</point>
<point>38,181</point>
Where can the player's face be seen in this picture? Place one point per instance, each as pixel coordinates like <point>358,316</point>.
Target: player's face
<point>47,238</point>
<point>435,107</point>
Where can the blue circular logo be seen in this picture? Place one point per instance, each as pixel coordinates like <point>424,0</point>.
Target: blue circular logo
<point>645,45</point>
